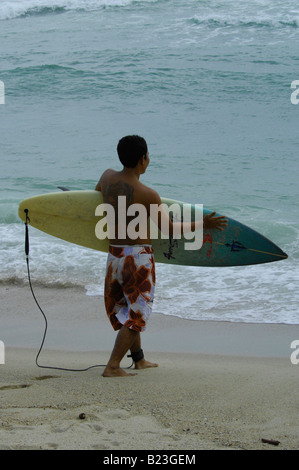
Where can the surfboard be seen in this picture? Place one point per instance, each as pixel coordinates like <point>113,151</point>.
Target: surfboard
<point>70,215</point>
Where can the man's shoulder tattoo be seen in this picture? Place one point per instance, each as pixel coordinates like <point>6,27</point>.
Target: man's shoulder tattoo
<point>119,189</point>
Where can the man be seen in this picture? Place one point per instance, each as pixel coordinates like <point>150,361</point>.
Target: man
<point>130,273</point>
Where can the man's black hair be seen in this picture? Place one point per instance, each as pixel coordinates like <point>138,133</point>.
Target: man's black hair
<point>130,149</point>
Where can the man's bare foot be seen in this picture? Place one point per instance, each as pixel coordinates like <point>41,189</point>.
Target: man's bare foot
<point>116,372</point>
<point>144,364</point>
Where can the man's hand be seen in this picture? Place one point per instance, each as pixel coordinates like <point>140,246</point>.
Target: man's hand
<point>210,222</point>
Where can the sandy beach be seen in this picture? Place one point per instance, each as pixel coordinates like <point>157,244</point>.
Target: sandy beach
<point>219,385</point>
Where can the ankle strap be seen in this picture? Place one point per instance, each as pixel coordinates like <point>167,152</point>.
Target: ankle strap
<point>137,356</point>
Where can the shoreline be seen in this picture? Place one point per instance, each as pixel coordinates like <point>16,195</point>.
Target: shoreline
<point>218,385</point>
<point>22,325</point>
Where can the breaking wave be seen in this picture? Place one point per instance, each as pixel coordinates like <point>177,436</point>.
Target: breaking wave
<point>22,8</point>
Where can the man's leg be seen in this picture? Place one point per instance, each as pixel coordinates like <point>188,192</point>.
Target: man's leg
<point>124,341</point>
<point>143,363</point>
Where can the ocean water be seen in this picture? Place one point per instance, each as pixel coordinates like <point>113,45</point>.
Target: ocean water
<point>207,83</point>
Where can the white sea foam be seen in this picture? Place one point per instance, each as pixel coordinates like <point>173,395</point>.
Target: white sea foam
<point>16,8</point>
<point>53,262</point>
<point>247,294</point>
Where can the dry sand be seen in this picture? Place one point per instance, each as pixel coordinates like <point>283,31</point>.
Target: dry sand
<point>218,385</point>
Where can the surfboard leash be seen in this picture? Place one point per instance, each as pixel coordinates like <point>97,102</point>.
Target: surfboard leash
<point>42,312</point>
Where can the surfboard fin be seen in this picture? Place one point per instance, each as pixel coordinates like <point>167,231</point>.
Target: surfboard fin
<point>63,188</point>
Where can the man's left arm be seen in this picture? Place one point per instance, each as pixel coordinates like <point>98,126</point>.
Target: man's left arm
<point>103,177</point>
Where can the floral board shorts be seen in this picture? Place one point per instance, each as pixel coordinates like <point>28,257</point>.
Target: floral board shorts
<point>129,285</point>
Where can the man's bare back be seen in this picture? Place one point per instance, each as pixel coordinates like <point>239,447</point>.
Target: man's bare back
<point>126,183</point>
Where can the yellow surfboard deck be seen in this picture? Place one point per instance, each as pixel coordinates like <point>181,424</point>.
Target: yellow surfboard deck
<point>70,215</point>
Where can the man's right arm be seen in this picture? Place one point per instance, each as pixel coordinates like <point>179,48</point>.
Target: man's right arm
<point>167,227</point>
<point>161,217</point>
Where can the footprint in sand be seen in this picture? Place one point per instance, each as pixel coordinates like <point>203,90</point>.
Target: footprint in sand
<point>12,387</point>
<point>41,377</point>
<point>46,377</point>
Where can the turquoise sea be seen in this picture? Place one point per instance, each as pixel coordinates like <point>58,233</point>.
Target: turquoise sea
<point>207,83</point>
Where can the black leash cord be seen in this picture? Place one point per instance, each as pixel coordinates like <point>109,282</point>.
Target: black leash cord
<point>41,310</point>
